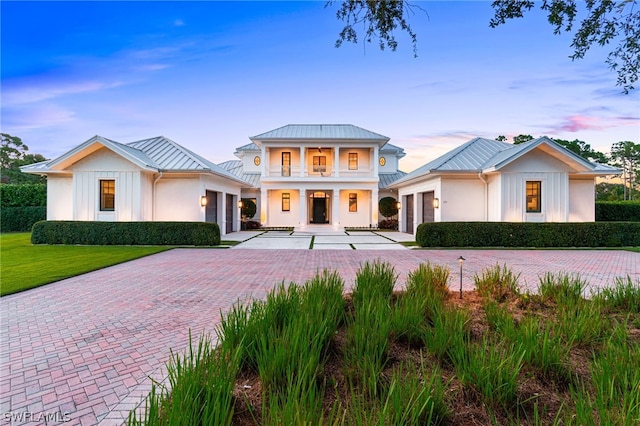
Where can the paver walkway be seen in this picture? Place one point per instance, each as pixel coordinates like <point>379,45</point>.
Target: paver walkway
<point>84,349</point>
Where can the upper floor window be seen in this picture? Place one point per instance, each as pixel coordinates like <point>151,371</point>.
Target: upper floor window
<point>319,164</point>
<point>353,161</point>
<point>286,164</point>
<point>534,196</point>
<point>286,201</point>
<point>353,202</point>
<point>107,195</point>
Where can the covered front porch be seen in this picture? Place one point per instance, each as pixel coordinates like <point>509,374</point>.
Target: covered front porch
<point>334,208</point>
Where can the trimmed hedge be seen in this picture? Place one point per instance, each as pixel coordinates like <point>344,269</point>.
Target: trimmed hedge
<point>618,211</point>
<point>523,234</point>
<point>20,219</point>
<point>126,233</point>
<point>23,195</point>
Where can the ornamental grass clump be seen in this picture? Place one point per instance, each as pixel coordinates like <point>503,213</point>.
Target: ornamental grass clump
<point>562,289</point>
<point>202,383</point>
<point>497,283</point>
<point>491,369</point>
<point>624,295</point>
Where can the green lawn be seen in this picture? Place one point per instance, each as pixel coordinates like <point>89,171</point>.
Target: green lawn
<point>24,265</point>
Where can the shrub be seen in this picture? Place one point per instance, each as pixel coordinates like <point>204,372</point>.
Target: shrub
<point>20,219</point>
<point>23,195</point>
<point>388,207</point>
<point>523,234</point>
<point>126,233</point>
<point>618,211</point>
<point>248,208</point>
<point>388,224</point>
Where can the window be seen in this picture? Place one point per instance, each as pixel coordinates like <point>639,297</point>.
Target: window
<point>286,202</point>
<point>107,195</point>
<point>319,163</point>
<point>286,164</point>
<point>353,161</point>
<point>353,202</point>
<point>534,204</point>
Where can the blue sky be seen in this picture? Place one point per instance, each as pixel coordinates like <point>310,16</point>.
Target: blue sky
<point>210,74</point>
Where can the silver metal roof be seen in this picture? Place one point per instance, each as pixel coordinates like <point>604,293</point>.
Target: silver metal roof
<point>388,178</point>
<point>159,153</point>
<point>248,147</point>
<point>485,155</point>
<point>235,167</point>
<point>320,132</point>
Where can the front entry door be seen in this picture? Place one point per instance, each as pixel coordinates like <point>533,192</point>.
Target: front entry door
<point>319,210</point>
<point>409,214</point>
<point>229,214</point>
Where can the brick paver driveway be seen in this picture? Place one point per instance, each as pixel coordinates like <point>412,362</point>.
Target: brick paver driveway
<point>83,349</point>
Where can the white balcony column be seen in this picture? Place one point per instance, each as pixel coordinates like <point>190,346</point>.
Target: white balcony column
<point>374,207</point>
<point>336,161</point>
<point>303,162</point>
<point>303,209</point>
<point>335,208</point>
<point>375,158</point>
<point>264,205</point>
<point>265,161</point>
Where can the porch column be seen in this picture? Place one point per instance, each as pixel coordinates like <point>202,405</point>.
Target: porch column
<point>303,162</point>
<point>336,161</point>
<point>264,205</point>
<point>303,208</point>
<point>335,208</point>
<point>374,207</point>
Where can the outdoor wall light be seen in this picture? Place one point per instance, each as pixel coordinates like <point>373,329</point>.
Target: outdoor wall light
<point>436,203</point>
<point>398,205</point>
<point>240,204</point>
<point>203,200</point>
<point>461,260</point>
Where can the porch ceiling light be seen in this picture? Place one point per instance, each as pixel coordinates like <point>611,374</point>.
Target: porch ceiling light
<point>203,200</point>
<point>436,203</point>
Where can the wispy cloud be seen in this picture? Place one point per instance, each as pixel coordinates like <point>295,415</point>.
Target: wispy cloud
<point>23,117</point>
<point>25,92</point>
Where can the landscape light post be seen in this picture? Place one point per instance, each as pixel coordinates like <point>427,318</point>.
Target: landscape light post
<point>461,260</point>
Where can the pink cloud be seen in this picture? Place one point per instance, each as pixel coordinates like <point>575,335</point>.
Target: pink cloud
<point>576,123</point>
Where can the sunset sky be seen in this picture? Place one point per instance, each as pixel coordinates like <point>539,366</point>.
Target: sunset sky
<point>210,74</point>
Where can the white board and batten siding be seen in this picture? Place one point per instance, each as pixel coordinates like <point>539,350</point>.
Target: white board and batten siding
<point>554,176</point>
<point>106,165</point>
<point>59,197</point>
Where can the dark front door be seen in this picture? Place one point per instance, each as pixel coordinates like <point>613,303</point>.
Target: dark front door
<point>229,213</point>
<point>211,210</point>
<point>319,210</point>
<point>427,207</point>
<point>409,214</point>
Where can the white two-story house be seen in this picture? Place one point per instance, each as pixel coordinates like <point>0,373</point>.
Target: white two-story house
<point>329,175</point>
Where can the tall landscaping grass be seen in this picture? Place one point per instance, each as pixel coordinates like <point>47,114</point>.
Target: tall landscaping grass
<point>491,369</point>
<point>624,295</point>
<point>201,391</point>
<point>497,283</point>
<point>563,289</point>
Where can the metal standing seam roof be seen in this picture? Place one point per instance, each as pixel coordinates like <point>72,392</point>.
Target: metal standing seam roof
<point>320,132</point>
<point>158,153</point>
<point>235,167</point>
<point>481,154</point>
<point>387,179</point>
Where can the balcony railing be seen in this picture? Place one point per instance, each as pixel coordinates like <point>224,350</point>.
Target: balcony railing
<point>315,172</point>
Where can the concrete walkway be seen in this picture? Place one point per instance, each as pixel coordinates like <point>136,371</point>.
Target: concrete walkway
<point>320,239</point>
<point>86,349</point>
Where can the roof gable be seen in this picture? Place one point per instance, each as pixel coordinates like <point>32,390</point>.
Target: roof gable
<point>94,144</point>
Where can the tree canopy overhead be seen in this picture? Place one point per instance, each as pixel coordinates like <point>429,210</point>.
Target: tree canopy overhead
<point>614,23</point>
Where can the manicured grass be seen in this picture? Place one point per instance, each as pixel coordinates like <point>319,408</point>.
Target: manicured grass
<point>24,265</point>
